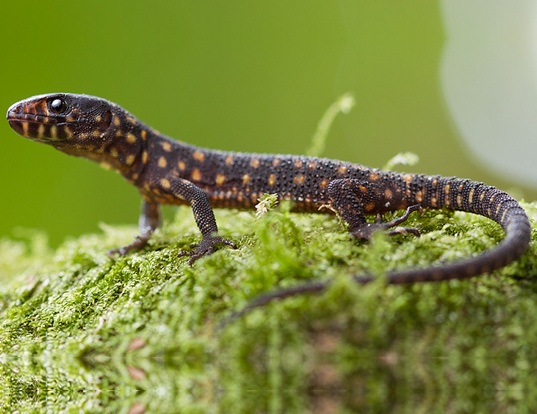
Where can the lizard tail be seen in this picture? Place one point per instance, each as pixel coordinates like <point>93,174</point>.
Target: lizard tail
<point>439,192</point>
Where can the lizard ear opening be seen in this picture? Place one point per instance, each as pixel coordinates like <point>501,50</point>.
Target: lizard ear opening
<point>106,119</point>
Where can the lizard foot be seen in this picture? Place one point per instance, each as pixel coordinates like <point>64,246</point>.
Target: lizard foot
<point>205,247</point>
<point>366,232</point>
<point>139,242</point>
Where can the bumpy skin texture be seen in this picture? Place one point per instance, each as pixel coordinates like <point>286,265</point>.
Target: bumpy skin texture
<point>167,171</point>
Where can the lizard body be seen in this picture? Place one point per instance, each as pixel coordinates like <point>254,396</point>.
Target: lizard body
<point>168,171</point>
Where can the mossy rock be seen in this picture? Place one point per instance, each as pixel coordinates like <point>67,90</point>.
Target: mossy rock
<point>84,332</point>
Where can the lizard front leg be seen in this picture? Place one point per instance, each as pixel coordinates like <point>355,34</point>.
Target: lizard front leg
<point>352,199</point>
<point>150,220</point>
<point>203,214</point>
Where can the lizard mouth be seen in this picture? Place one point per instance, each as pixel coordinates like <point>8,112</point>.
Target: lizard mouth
<point>34,126</point>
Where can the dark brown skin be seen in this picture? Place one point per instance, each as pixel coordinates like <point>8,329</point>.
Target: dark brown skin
<point>167,171</point>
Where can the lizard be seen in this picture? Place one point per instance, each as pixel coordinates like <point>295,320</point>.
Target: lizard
<point>168,171</point>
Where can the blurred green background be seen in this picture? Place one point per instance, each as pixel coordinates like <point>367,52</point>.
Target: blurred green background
<point>238,75</point>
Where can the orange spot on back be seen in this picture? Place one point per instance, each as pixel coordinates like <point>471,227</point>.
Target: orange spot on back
<point>196,174</point>
<point>165,183</point>
<point>369,207</point>
<point>341,170</point>
<point>131,138</point>
<point>374,176</point>
<point>198,156</point>
<point>162,163</point>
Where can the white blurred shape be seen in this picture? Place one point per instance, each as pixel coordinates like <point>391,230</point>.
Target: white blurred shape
<point>489,80</point>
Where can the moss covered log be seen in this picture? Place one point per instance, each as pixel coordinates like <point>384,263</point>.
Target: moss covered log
<point>82,331</point>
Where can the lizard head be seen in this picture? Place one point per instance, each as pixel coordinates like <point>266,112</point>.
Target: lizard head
<point>73,123</point>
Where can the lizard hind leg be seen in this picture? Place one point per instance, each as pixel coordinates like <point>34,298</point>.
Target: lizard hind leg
<point>365,232</point>
<point>353,198</point>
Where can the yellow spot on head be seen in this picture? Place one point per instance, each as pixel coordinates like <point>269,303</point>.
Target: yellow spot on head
<point>181,165</point>
<point>131,120</point>
<point>143,134</point>
<point>67,131</point>
<point>116,121</point>
<point>198,156</point>
<point>245,178</point>
<point>131,138</point>
<point>220,179</point>
<point>166,146</point>
<point>145,157</point>
<point>165,183</point>
<point>98,118</point>
<point>113,152</point>
<point>162,163</point>
<point>196,174</point>
<point>96,133</point>
<point>54,131</point>
<point>40,131</point>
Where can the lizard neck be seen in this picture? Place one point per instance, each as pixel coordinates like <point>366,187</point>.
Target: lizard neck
<point>125,147</point>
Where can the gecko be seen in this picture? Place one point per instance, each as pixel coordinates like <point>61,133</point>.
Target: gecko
<point>168,171</point>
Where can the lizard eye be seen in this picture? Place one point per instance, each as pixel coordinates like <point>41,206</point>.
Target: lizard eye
<point>57,106</point>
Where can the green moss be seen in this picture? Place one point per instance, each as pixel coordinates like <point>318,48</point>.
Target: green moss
<point>81,331</point>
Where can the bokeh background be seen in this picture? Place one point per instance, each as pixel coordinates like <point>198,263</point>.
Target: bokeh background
<point>238,75</point>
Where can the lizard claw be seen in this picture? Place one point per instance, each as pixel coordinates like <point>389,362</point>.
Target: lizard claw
<point>205,247</point>
<point>139,242</point>
<point>365,232</point>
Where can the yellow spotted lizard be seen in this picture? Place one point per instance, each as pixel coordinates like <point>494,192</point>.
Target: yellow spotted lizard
<point>168,171</point>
